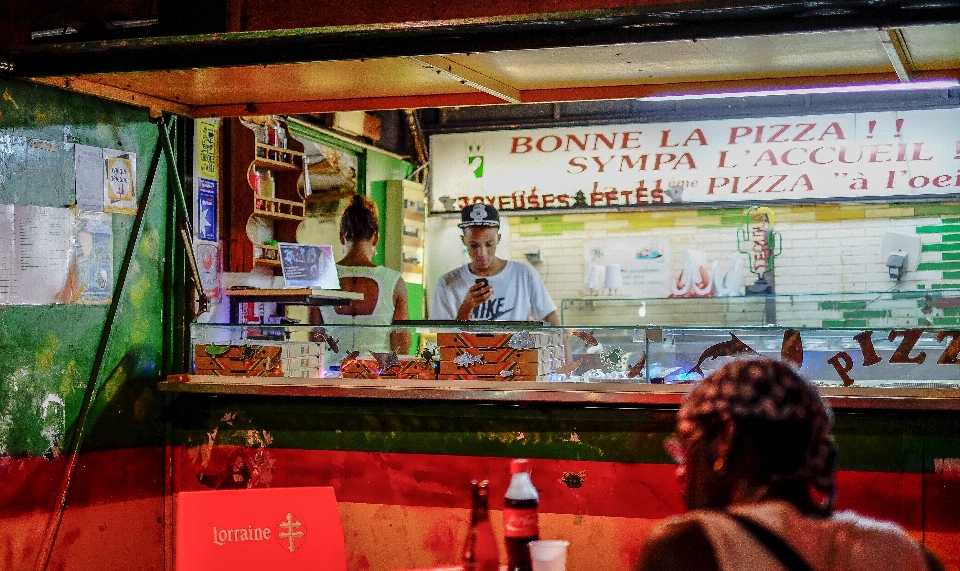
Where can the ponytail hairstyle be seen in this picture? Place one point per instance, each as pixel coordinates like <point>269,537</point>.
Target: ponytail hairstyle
<point>783,426</point>
<point>359,220</point>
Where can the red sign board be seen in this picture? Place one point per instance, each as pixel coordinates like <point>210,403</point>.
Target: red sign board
<point>268,528</point>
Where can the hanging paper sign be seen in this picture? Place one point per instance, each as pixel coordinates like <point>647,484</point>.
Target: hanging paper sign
<point>638,263</point>
<point>206,141</point>
<point>207,210</point>
<point>208,265</point>
<point>119,182</point>
<point>207,177</point>
<point>850,156</point>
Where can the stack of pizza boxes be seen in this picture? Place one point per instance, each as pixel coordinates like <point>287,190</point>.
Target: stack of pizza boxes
<point>302,359</point>
<point>277,359</point>
<point>237,360</point>
<point>388,366</point>
<point>500,356</point>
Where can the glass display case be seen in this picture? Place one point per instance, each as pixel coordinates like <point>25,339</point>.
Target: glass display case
<point>890,309</point>
<point>530,356</point>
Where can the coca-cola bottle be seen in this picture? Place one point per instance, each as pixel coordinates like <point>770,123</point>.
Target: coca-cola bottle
<point>272,140</point>
<point>520,516</point>
<point>480,551</point>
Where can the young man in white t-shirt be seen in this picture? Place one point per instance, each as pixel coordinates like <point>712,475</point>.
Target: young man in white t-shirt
<point>490,288</point>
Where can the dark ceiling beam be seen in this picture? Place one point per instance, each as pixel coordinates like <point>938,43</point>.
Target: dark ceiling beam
<point>494,34</point>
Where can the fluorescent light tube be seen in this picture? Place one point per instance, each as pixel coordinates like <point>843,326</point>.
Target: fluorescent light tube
<point>872,88</point>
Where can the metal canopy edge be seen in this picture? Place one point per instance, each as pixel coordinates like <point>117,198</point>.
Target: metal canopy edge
<point>442,38</point>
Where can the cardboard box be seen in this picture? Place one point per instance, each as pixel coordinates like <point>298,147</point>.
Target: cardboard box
<point>496,340</point>
<point>495,355</point>
<point>302,373</point>
<point>469,377</point>
<point>410,367</point>
<point>292,349</point>
<point>494,369</point>
<point>304,362</point>
<point>360,369</point>
<point>238,360</point>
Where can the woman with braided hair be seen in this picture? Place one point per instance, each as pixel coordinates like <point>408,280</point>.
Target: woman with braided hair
<point>758,472</point>
<point>384,291</point>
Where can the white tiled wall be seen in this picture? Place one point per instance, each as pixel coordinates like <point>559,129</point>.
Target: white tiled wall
<point>818,257</point>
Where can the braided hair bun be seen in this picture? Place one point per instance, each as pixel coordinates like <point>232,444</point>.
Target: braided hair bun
<point>359,220</point>
<point>783,426</point>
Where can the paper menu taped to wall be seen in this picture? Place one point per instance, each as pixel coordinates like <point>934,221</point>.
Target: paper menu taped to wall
<point>88,165</point>
<point>37,257</point>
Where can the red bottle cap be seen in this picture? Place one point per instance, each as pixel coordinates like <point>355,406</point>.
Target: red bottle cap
<point>519,465</point>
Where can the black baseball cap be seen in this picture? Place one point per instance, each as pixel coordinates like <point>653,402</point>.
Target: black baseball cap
<point>479,214</point>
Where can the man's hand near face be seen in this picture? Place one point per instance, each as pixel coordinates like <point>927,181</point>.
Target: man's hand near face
<point>478,294</point>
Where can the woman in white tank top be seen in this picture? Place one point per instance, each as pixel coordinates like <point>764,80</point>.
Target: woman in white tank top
<point>384,291</point>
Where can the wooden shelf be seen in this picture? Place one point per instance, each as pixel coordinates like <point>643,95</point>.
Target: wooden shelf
<point>291,296</point>
<point>266,260</point>
<point>278,208</point>
<point>276,164</point>
<point>413,216</point>
<point>276,218</point>
<point>412,268</point>
<point>255,294</point>
<point>404,229</point>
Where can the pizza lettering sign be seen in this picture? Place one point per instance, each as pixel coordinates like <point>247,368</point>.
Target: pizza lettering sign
<point>851,156</point>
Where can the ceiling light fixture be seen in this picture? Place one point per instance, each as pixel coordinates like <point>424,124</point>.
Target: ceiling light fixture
<point>938,84</point>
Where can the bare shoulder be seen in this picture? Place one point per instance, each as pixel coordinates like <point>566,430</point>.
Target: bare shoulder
<point>400,288</point>
<point>677,545</point>
<point>883,544</point>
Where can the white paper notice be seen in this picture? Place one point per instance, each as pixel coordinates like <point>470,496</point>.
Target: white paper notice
<point>37,255</point>
<point>643,260</point>
<point>95,257</point>
<point>88,166</point>
<point>9,261</point>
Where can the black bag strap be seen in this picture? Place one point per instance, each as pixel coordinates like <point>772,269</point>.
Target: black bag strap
<point>787,556</point>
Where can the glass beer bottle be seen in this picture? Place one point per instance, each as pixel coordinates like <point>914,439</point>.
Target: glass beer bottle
<point>480,551</point>
<point>520,516</point>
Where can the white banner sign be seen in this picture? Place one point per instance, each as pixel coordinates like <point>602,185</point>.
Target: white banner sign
<point>845,156</point>
<point>640,264</point>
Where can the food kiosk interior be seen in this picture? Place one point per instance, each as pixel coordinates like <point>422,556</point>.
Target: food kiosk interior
<point>692,185</point>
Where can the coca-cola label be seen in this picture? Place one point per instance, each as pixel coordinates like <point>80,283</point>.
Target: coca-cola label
<point>519,522</point>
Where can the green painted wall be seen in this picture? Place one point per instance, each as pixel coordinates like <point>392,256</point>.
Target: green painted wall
<point>48,351</point>
<point>380,169</point>
<point>873,441</point>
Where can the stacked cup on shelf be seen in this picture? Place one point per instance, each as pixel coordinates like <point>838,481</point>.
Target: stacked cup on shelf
<point>603,280</point>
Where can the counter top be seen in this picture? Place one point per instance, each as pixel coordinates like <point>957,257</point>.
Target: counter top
<point>265,294</point>
<point>534,392</point>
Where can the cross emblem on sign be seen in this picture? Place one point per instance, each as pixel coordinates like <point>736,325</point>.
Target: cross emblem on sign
<point>289,525</point>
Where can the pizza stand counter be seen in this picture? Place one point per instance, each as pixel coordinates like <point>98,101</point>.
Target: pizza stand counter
<point>400,452</point>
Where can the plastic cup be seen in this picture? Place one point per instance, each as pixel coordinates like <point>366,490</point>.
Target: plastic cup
<point>548,554</point>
